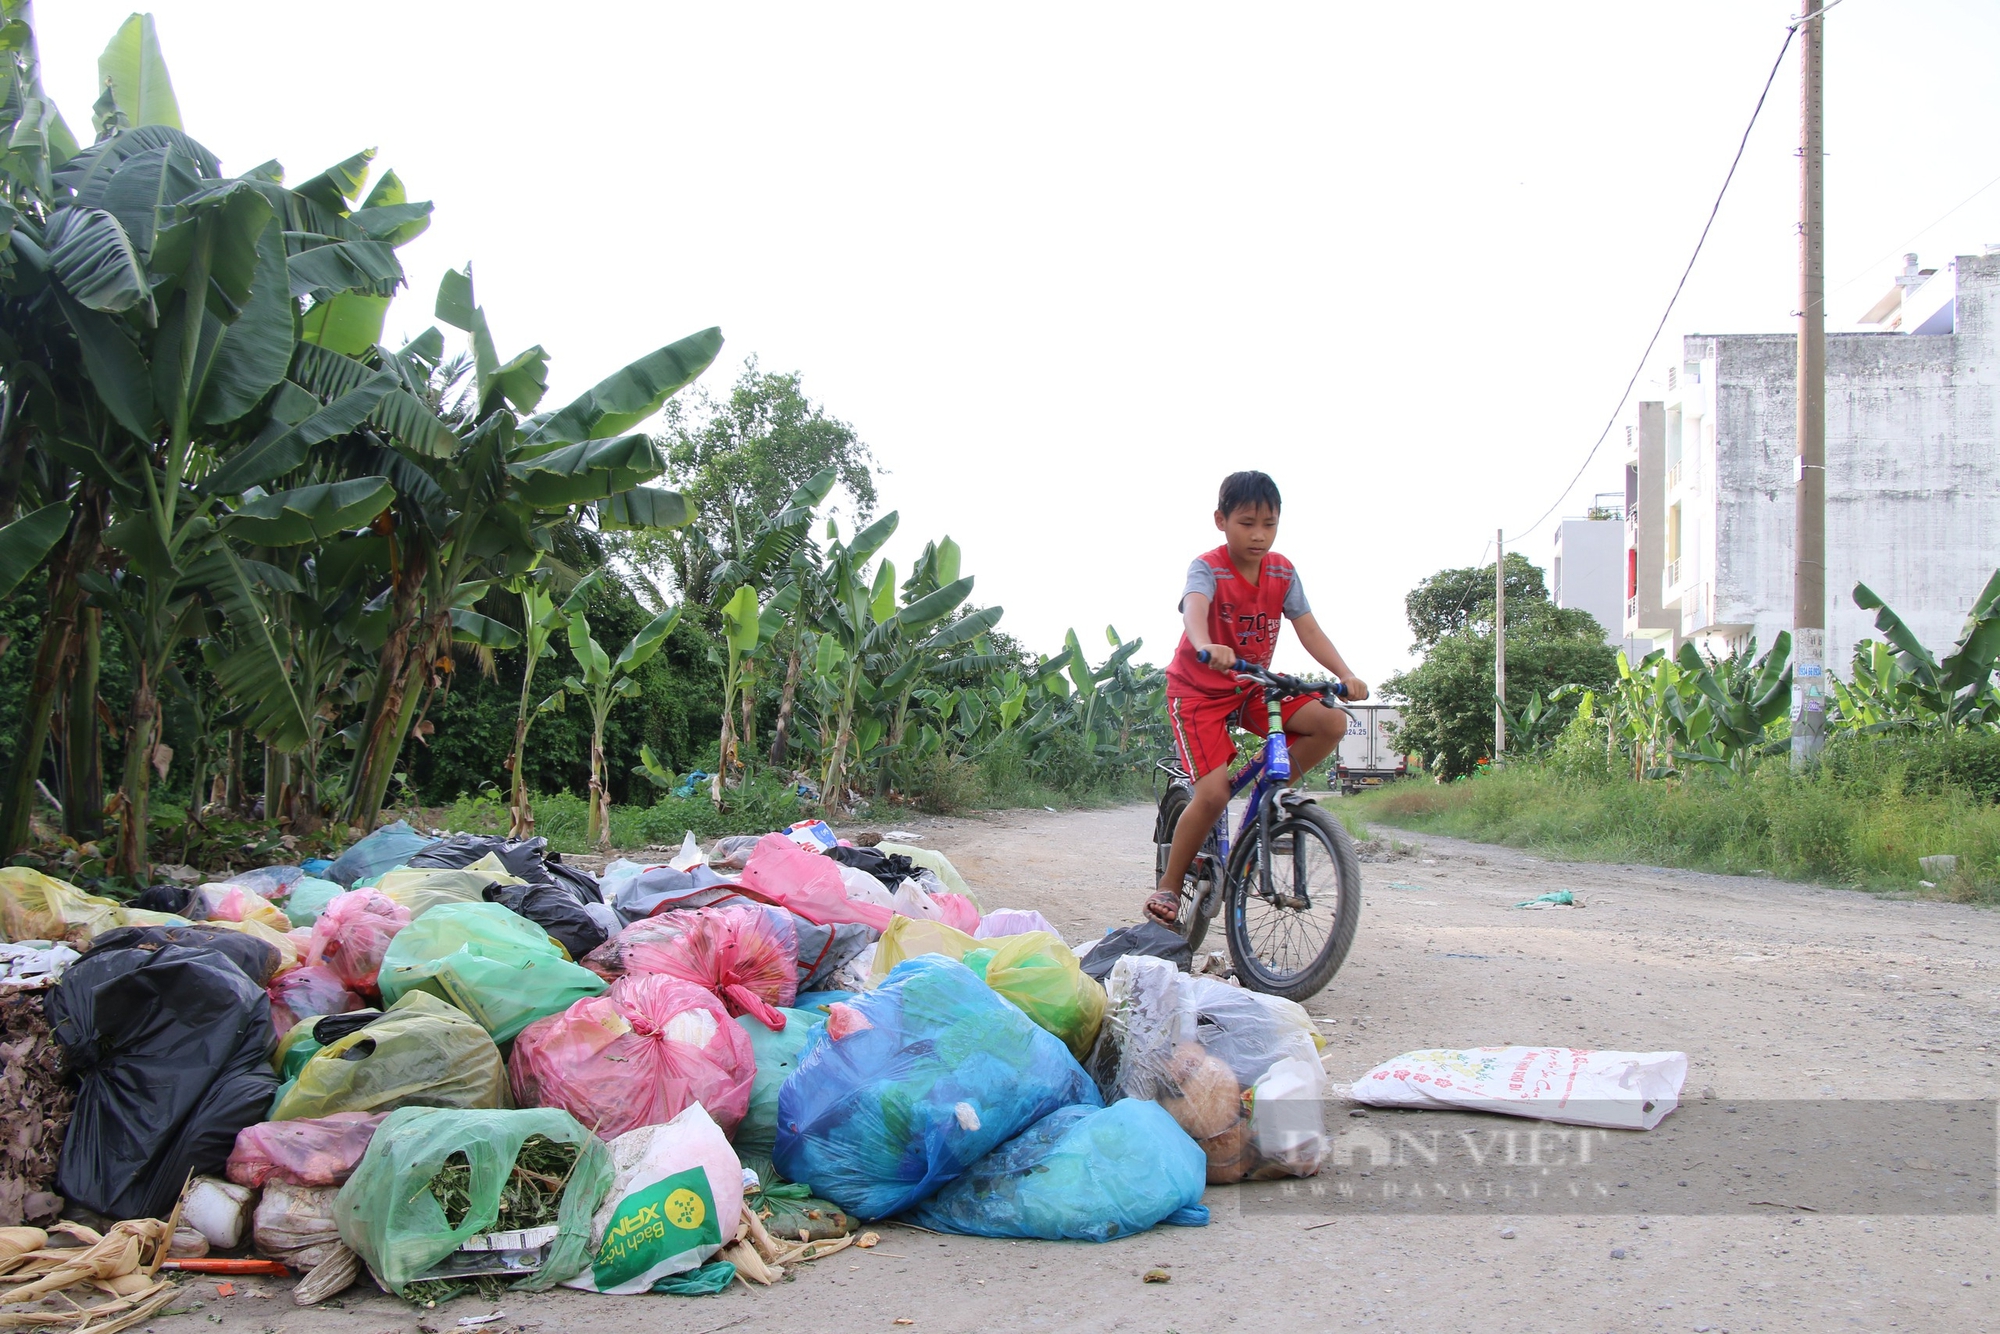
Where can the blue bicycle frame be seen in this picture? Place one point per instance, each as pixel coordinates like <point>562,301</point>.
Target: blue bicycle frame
<point>1270,771</point>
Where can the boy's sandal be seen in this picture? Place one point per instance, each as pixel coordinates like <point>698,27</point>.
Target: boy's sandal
<point>1164,907</point>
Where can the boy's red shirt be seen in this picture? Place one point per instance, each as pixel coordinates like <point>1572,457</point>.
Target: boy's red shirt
<point>1244,615</point>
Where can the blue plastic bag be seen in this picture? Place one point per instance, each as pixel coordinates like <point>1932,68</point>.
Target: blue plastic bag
<point>1080,1174</point>
<point>908,1085</point>
<point>384,850</point>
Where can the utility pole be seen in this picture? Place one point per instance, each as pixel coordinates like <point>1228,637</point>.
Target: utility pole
<point>1499,643</point>
<point>1809,528</point>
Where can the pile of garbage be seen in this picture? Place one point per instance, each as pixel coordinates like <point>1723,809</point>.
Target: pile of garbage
<point>455,1062</point>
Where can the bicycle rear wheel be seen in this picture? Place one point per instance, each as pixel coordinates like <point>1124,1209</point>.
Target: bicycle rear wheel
<point>1191,924</point>
<point>1291,940</point>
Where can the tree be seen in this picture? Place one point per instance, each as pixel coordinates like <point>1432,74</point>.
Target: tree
<point>740,460</point>
<point>602,681</point>
<point>1461,599</point>
<point>1448,698</point>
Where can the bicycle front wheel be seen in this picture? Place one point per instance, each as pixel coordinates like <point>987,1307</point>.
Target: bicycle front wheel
<point>1289,938</point>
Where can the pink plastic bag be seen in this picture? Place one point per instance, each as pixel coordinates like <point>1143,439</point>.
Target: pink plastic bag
<point>956,910</point>
<point>313,989</point>
<point>783,873</point>
<point>353,933</point>
<point>637,1056</point>
<point>748,956</point>
<point>239,903</point>
<point>1014,922</point>
<point>320,1151</point>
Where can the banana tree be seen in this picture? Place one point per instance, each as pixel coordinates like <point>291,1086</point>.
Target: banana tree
<point>1869,701</point>
<point>1952,692</point>
<point>541,617</point>
<point>602,681</point>
<point>481,501</point>
<point>1726,704</point>
<point>853,608</point>
<point>770,561</point>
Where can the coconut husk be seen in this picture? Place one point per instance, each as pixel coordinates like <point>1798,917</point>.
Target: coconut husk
<point>35,1105</point>
<point>1229,1154</point>
<point>1201,1093</point>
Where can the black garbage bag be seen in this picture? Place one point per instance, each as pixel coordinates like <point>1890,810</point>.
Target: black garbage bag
<point>259,959</point>
<point>166,897</point>
<point>525,859</point>
<point>553,910</point>
<point>171,1048</point>
<point>582,885</point>
<point>892,869</point>
<point>1148,938</point>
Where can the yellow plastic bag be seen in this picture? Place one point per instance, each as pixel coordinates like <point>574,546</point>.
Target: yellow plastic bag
<point>421,1053</point>
<point>287,948</point>
<point>34,906</point>
<point>1035,970</point>
<point>907,937</point>
<point>1044,977</point>
<point>237,903</point>
<point>420,888</point>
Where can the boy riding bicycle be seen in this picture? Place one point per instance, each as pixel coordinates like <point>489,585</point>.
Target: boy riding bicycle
<point>1235,601</point>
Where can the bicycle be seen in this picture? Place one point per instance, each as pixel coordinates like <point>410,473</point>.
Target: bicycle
<point>1280,824</point>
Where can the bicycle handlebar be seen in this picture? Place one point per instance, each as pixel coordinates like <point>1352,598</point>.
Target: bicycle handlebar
<point>1290,685</point>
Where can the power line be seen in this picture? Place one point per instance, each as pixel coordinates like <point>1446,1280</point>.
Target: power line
<point>1659,328</point>
<point>1898,247</point>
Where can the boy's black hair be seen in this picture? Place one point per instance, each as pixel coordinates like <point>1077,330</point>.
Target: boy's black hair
<point>1247,488</point>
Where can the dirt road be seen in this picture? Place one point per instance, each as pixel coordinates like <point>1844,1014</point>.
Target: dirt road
<point>1775,991</point>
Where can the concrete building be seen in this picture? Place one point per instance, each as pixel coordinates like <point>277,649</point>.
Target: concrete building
<point>1913,472</point>
<point>1587,569</point>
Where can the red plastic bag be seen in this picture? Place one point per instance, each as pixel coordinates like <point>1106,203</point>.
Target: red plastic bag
<point>308,991</point>
<point>637,1056</point>
<point>354,932</point>
<point>748,956</point>
<point>321,1151</point>
<point>957,911</point>
<point>783,873</point>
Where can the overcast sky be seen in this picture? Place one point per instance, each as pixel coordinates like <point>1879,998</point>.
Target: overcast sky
<point>1064,266</point>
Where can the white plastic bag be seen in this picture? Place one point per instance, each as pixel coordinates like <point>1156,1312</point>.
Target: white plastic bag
<point>219,1210</point>
<point>1620,1090</point>
<point>676,1197</point>
<point>911,901</point>
<point>690,855</point>
<point>296,1224</point>
<point>862,887</point>
<point>1016,922</point>
<point>1238,1070</point>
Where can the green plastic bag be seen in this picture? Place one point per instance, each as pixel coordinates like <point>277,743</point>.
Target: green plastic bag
<point>490,962</point>
<point>777,1053</point>
<point>308,900</point>
<point>706,1281</point>
<point>388,1216</point>
<point>422,1053</point>
<point>1044,977</point>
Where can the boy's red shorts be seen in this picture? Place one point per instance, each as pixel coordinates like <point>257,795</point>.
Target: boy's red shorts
<point>1201,725</point>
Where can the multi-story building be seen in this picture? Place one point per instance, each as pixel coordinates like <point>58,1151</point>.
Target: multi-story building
<point>1913,472</point>
<point>1587,569</point>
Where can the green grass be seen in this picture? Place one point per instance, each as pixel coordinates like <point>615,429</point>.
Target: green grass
<point>1859,825</point>
<point>765,805</point>
<point>560,817</point>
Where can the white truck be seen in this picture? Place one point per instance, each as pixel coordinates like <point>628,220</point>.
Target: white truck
<point>1369,755</point>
